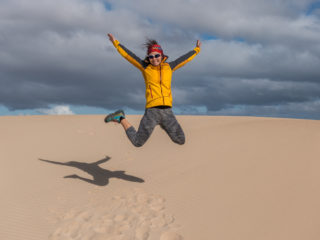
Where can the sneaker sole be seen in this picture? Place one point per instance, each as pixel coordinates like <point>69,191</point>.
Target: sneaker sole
<point>110,116</point>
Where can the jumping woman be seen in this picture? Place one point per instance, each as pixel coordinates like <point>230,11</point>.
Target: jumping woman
<point>157,75</point>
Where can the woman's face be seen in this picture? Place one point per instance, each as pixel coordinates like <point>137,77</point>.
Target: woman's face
<point>155,58</point>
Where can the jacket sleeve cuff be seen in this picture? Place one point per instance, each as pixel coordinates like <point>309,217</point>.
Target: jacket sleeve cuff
<point>197,49</point>
<point>116,43</point>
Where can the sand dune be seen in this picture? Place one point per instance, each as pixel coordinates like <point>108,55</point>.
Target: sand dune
<point>75,177</point>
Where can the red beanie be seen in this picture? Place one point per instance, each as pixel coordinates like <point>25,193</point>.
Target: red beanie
<point>155,48</point>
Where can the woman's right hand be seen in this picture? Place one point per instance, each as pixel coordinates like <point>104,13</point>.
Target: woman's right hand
<point>198,44</point>
<point>111,37</point>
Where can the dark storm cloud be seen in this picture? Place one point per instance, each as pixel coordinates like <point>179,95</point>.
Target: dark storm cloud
<point>264,54</point>
<point>56,53</point>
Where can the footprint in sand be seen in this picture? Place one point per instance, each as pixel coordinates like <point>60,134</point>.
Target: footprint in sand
<point>138,216</point>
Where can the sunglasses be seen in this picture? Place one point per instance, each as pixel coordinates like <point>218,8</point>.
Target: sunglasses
<point>154,56</point>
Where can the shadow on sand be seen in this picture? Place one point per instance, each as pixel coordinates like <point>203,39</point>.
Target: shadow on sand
<point>100,175</point>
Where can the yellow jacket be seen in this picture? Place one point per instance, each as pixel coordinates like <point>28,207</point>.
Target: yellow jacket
<point>157,78</point>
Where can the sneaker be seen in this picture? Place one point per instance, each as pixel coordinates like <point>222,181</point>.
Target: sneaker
<point>115,117</point>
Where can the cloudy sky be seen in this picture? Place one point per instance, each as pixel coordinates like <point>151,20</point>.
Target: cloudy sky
<point>258,57</point>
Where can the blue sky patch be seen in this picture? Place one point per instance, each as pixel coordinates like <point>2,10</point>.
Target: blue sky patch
<point>107,6</point>
<point>208,37</point>
<point>313,7</point>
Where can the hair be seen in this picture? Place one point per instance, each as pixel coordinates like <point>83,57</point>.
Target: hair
<point>149,42</point>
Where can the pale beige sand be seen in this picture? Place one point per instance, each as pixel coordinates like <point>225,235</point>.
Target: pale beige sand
<point>236,178</point>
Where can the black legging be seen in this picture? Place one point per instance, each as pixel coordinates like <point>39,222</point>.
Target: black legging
<point>151,118</point>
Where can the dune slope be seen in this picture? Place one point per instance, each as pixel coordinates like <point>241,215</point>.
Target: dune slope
<point>75,177</point>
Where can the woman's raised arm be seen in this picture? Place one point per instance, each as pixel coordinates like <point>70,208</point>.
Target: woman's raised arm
<point>126,53</point>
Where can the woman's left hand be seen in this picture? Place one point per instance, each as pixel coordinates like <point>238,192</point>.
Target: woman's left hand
<point>198,44</point>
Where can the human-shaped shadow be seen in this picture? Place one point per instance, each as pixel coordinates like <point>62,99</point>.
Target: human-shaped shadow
<point>100,175</point>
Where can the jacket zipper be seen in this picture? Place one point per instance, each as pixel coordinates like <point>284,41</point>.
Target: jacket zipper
<point>150,91</point>
<point>161,85</point>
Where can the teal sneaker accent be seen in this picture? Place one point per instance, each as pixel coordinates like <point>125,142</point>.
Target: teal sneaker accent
<point>115,117</point>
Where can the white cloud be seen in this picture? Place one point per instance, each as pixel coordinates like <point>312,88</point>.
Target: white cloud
<point>57,110</point>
